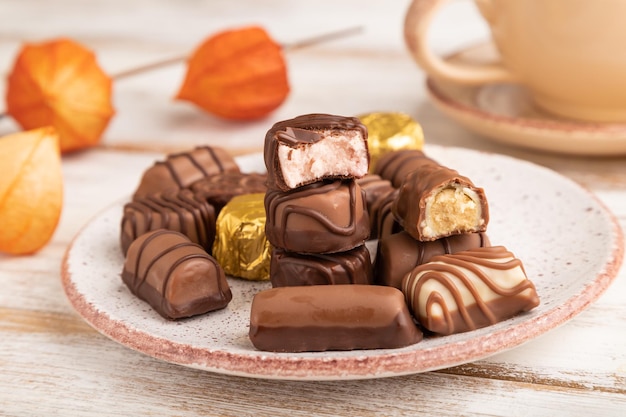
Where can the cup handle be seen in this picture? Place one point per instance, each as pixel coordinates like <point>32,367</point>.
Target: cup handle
<point>417,22</point>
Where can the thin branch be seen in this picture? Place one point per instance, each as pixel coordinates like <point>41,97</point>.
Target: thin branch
<point>326,37</point>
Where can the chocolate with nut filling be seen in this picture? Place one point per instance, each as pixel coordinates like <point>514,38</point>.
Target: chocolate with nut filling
<point>293,269</point>
<point>435,201</point>
<point>178,211</point>
<point>174,275</point>
<point>180,170</point>
<point>220,188</point>
<point>468,290</point>
<point>331,317</point>
<point>322,217</point>
<point>399,253</point>
<point>313,147</point>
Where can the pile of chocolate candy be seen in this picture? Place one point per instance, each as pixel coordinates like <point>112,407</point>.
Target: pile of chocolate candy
<point>304,226</point>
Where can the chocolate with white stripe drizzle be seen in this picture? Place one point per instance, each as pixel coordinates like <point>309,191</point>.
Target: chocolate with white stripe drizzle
<point>468,290</point>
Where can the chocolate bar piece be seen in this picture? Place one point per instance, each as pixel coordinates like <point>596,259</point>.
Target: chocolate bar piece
<point>382,221</point>
<point>322,217</point>
<point>435,202</point>
<point>220,188</point>
<point>399,253</point>
<point>240,245</point>
<point>314,147</point>
<point>395,166</point>
<point>468,290</point>
<point>180,170</point>
<point>331,317</point>
<point>174,275</point>
<point>375,188</point>
<point>292,269</point>
<point>179,211</point>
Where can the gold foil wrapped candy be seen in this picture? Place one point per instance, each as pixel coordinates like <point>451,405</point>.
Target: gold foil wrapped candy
<point>240,245</point>
<point>391,132</point>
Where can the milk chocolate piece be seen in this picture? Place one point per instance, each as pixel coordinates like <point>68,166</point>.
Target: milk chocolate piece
<point>395,166</point>
<point>468,290</point>
<point>180,170</point>
<point>292,269</point>
<point>174,275</point>
<point>179,211</point>
<point>314,147</point>
<point>435,202</point>
<point>331,317</point>
<point>375,188</point>
<point>390,131</point>
<point>219,189</point>
<point>382,220</point>
<point>400,253</point>
<point>322,217</point>
<point>240,245</point>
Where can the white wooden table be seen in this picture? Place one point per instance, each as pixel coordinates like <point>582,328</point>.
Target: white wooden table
<point>53,363</point>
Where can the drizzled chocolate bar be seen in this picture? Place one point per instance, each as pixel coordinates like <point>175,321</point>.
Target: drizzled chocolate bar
<point>180,170</point>
<point>468,290</point>
<point>322,217</point>
<point>175,276</point>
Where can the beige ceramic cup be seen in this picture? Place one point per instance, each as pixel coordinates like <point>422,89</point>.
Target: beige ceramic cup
<point>570,54</point>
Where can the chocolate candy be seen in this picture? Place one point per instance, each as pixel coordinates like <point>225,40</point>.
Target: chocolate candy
<point>322,217</point>
<point>180,170</point>
<point>468,290</point>
<point>399,253</point>
<point>314,147</point>
<point>219,189</point>
<point>331,317</point>
<point>240,243</point>
<point>175,276</point>
<point>178,211</point>
<point>391,131</point>
<point>435,202</point>
<point>382,221</point>
<point>395,166</point>
<point>292,269</point>
<point>375,188</point>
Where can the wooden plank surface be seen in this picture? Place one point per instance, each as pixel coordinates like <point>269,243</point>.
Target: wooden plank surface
<point>53,363</point>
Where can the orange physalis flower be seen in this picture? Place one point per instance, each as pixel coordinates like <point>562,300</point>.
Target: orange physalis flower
<point>237,74</point>
<point>31,190</point>
<point>59,83</point>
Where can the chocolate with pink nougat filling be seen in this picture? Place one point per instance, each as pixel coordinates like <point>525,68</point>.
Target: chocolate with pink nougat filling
<point>313,147</point>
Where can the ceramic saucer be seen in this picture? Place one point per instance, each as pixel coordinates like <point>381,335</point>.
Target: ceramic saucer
<point>505,113</point>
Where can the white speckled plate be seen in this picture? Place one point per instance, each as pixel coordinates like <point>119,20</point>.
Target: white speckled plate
<point>505,113</point>
<point>571,245</point>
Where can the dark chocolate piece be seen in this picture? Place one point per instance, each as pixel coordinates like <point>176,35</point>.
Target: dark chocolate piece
<point>468,290</point>
<point>435,201</point>
<point>180,170</point>
<point>175,276</point>
<point>313,147</point>
<point>331,317</point>
<point>292,269</point>
<point>400,253</point>
<point>219,189</point>
<point>179,211</point>
<point>395,166</point>
<point>322,217</point>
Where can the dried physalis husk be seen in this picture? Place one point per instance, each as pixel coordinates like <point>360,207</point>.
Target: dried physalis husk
<point>391,131</point>
<point>31,190</point>
<point>240,244</point>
